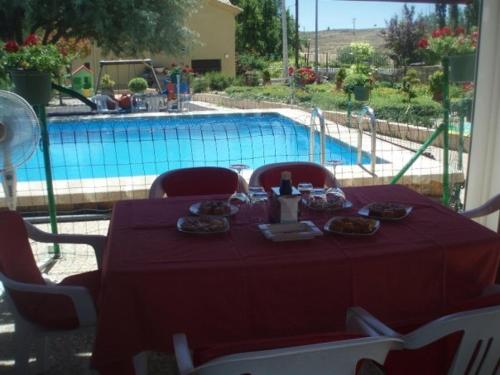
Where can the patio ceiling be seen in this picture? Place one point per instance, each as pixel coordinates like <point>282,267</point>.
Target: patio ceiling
<point>425,1</point>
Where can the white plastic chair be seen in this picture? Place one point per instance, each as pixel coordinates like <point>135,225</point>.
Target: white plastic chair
<point>335,357</point>
<point>26,331</point>
<point>479,347</point>
<point>492,205</point>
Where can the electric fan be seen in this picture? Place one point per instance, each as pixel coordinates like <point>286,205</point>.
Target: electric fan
<point>19,136</point>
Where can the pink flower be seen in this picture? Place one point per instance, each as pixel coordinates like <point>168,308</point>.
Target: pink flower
<point>423,43</point>
<point>31,40</point>
<point>11,46</point>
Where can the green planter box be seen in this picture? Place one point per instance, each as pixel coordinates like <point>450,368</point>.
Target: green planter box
<point>361,93</point>
<point>462,68</point>
<point>33,86</point>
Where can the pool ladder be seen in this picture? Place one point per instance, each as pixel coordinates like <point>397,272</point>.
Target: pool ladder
<point>317,113</point>
<point>367,111</point>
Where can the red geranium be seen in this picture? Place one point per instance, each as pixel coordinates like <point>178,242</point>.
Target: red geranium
<point>11,46</point>
<point>31,40</point>
<point>423,43</point>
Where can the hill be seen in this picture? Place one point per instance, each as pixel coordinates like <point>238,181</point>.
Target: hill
<point>330,41</point>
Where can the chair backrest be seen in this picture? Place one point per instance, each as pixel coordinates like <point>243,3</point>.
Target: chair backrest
<point>269,175</point>
<point>479,348</point>
<point>197,181</point>
<point>16,257</point>
<point>492,205</point>
<point>338,357</point>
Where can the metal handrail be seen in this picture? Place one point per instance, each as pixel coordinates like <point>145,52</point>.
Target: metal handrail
<point>316,112</point>
<point>373,130</point>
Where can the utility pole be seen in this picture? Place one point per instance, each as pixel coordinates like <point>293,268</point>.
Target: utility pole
<point>316,47</point>
<point>297,39</point>
<point>285,39</point>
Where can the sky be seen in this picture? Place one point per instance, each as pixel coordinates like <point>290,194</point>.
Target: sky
<point>338,14</point>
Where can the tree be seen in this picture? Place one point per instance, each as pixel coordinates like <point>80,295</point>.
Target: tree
<point>402,36</point>
<point>441,14</point>
<point>258,28</point>
<point>471,14</point>
<point>124,27</point>
<point>454,16</point>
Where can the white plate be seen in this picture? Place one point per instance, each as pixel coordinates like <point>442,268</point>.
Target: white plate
<point>303,230</point>
<point>195,209</point>
<point>327,227</point>
<point>346,204</point>
<point>182,220</point>
<point>365,211</point>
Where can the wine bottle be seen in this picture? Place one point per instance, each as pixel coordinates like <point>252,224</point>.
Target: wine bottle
<point>286,183</point>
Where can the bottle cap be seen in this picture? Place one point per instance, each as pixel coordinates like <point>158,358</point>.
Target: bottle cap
<point>286,175</point>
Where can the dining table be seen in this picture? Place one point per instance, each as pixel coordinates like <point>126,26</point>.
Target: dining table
<point>239,285</point>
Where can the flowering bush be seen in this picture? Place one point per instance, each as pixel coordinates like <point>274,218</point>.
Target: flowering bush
<point>302,76</point>
<point>33,55</point>
<point>447,42</point>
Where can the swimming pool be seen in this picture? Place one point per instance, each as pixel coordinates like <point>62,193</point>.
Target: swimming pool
<point>121,146</point>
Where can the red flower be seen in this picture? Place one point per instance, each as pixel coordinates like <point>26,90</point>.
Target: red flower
<point>459,30</point>
<point>11,46</point>
<point>423,43</point>
<point>290,70</point>
<point>446,31</point>
<point>468,86</point>
<point>31,40</point>
<point>437,33</point>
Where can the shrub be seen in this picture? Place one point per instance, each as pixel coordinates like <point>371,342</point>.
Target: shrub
<point>200,85</point>
<point>266,77</point>
<point>436,81</point>
<point>218,81</point>
<point>248,61</point>
<point>252,78</point>
<point>107,82</point>
<point>137,85</point>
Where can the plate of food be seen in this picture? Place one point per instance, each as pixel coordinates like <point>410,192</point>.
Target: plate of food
<point>213,208</point>
<point>386,210</point>
<point>202,224</point>
<point>352,226</point>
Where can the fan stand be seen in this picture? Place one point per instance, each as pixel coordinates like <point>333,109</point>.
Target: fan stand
<point>9,180</point>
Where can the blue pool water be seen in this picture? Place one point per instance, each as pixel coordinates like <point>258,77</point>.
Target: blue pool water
<point>115,147</point>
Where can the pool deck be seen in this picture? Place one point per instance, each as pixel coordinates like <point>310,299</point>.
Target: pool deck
<point>425,173</point>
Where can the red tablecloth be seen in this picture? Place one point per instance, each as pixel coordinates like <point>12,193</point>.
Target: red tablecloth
<point>158,281</point>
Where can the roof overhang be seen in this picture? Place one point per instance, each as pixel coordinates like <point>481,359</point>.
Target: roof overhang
<point>234,10</point>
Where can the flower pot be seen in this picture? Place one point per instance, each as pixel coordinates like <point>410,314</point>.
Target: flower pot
<point>462,68</point>
<point>361,93</point>
<point>87,92</point>
<point>33,86</point>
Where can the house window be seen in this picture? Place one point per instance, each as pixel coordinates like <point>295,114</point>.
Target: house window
<point>204,66</point>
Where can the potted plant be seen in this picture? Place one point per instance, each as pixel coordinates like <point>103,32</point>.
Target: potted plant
<point>137,85</point>
<point>107,85</point>
<point>87,87</point>
<point>32,67</point>
<point>339,78</point>
<point>359,84</point>
<point>458,46</point>
<point>436,81</point>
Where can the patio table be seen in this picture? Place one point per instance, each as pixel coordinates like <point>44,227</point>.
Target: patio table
<point>238,285</point>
